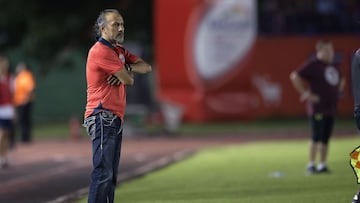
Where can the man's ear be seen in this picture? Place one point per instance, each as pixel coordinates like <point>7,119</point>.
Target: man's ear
<point>102,29</point>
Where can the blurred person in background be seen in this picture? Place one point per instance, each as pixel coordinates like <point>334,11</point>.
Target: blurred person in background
<point>7,112</point>
<point>23,100</point>
<point>109,69</point>
<point>355,78</point>
<point>319,83</point>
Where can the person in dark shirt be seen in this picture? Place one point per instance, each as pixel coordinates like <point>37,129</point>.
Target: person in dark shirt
<point>355,74</point>
<point>319,83</point>
<point>355,80</point>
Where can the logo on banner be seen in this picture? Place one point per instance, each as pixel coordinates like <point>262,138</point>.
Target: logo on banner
<point>223,37</point>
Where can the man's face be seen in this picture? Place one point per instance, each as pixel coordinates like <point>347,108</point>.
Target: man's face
<point>328,53</point>
<point>113,31</point>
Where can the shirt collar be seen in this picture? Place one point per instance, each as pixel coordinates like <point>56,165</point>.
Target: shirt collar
<point>106,43</point>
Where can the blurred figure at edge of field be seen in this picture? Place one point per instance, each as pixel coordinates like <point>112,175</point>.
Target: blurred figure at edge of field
<point>7,112</point>
<point>23,100</point>
<point>355,78</point>
<point>320,84</point>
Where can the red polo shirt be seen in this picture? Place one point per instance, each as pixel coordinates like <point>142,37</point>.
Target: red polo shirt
<point>104,60</point>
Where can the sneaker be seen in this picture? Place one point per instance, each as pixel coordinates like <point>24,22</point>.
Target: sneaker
<point>356,199</point>
<point>323,170</point>
<point>311,170</point>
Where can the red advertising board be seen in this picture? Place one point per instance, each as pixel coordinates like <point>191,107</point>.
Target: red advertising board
<point>210,61</point>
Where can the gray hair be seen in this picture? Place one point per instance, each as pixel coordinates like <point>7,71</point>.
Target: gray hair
<point>101,20</point>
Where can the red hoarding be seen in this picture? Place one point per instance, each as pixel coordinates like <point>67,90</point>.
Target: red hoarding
<point>211,62</point>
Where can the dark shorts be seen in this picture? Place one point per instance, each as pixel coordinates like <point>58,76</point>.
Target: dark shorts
<point>6,124</point>
<point>322,127</point>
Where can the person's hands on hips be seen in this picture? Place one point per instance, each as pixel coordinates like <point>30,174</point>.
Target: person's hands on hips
<point>310,97</point>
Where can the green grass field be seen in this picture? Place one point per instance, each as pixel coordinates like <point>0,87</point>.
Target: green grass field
<point>244,174</point>
<point>60,130</point>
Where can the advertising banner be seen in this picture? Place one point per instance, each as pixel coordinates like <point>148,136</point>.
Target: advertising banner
<point>213,66</point>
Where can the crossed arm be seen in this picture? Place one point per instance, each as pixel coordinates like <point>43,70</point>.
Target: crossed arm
<point>125,76</point>
<point>140,66</point>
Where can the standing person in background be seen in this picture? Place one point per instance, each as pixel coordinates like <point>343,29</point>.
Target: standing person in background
<point>7,112</point>
<point>109,70</point>
<point>23,100</point>
<point>355,78</point>
<point>319,83</point>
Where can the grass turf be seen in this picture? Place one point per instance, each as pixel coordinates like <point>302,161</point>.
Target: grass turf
<point>257,126</point>
<point>244,174</point>
<point>60,130</point>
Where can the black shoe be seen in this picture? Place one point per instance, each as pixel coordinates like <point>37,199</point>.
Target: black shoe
<point>356,199</point>
<point>311,170</point>
<point>324,170</point>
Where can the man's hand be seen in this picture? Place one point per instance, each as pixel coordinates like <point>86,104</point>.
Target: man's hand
<point>310,97</point>
<point>139,66</point>
<point>113,80</point>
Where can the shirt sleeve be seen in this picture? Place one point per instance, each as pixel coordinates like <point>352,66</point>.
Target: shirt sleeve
<point>129,57</point>
<point>355,80</point>
<point>109,62</point>
<point>305,71</point>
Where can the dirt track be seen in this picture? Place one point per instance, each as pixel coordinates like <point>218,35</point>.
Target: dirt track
<point>59,171</point>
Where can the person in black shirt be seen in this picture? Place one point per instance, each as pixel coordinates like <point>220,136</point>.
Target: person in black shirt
<point>319,83</point>
<point>355,74</point>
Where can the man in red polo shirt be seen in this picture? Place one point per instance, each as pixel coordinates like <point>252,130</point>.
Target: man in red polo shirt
<point>109,69</point>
